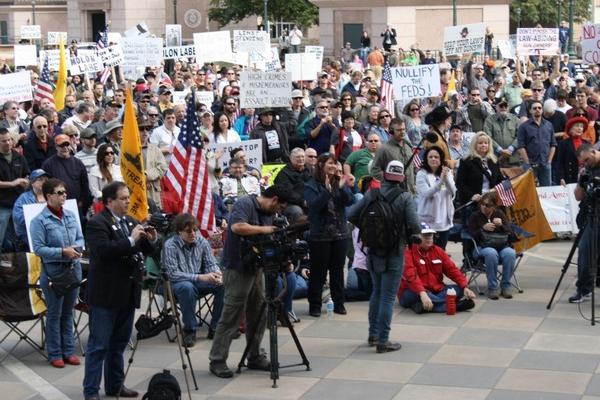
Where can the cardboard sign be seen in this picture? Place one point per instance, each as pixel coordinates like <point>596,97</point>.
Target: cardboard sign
<point>317,51</point>
<point>179,52</point>
<point>15,87</point>
<point>590,44</point>
<point>31,32</point>
<point>172,35</point>
<point>25,55</point>
<point>205,97</point>
<point>111,55</point>
<point>464,39</point>
<point>212,46</point>
<point>416,81</point>
<point>142,51</point>
<point>537,41</point>
<point>30,211</point>
<point>140,30</point>
<point>252,148</point>
<point>256,43</point>
<point>265,89</point>
<point>507,49</point>
<point>55,37</point>
<point>274,64</point>
<point>86,63</point>
<point>304,67</point>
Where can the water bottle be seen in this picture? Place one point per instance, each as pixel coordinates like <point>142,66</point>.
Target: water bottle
<point>329,307</point>
<point>451,301</point>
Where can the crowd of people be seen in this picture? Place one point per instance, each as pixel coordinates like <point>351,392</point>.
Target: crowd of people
<point>342,150</point>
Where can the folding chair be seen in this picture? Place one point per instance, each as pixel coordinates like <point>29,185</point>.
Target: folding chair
<point>522,234</point>
<point>81,307</point>
<point>473,266</point>
<point>21,299</point>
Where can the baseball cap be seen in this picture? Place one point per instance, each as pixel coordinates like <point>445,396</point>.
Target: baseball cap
<point>425,229</point>
<point>164,90</point>
<point>114,104</point>
<point>87,133</point>
<point>394,171</point>
<point>296,93</point>
<point>61,139</point>
<point>579,77</point>
<point>37,173</point>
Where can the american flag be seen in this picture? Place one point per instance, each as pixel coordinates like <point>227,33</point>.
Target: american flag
<point>188,173</point>
<point>506,193</point>
<point>387,89</point>
<point>102,43</point>
<point>417,162</point>
<point>44,88</point>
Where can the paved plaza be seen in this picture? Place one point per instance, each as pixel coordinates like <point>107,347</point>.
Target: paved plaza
<point>506,349</point>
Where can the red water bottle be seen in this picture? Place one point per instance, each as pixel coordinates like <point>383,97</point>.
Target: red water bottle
<point>451,301</point>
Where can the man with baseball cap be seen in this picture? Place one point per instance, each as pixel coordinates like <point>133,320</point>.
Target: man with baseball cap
<point>87,154</point>
<point>111,113</point>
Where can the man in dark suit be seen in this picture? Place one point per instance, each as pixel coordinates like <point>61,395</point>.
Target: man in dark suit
<point>389,38</point>
<point>116,244</point>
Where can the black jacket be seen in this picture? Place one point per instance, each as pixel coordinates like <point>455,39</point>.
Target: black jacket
<point>293,181</point>
<point>469,178</point>
<point>34,153</point>
<point>260,133</point>
<point>567,167</point>
<point>114,276</point>
<point>17,168</point>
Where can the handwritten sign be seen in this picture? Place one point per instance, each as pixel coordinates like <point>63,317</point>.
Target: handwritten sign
<point>416,82</point>
<point>86,63</point>
<point>179,52</point>
<point>260,89</point>
<point>256,43</point>
<point>537,41</point>
<point>304,67</point>
<point>317,51</point>
<point>274,64</point>
<point>55,37</point>
<point>590,45</point>
<point>31,32</point>
<point>252,148</point>
<point>212,46</point>
<point>464,39</point>
<point>112,55</point>
<point>142,51</point>
<point>15,87</point>
<point>25,55</point>
<point>173,35</point>
<point>206,97</point>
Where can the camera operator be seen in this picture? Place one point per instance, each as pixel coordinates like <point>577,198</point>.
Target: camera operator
<point>590,158</point>
<point>250,219</point>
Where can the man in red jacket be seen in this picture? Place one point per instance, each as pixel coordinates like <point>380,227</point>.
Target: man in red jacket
<point>422,287</point>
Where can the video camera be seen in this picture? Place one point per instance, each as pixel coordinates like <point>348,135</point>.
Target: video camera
<point>591,184</point>
<point>276,251</point>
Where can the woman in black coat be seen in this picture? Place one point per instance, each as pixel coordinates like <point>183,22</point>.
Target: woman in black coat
<point>567,166</point>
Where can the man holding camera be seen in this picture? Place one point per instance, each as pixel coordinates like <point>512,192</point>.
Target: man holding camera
<point>590,158</point>
<point>193,271</point>
<point>114,289</point>
<point>251,217</point>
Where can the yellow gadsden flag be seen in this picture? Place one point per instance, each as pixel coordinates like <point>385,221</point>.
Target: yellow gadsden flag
<point>451,85</point>
<point>132,162</point>
<point>61,82</point>
<point>527,213</point>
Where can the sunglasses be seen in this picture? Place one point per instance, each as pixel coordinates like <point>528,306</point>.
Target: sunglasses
<point>536,90</point>
<point>323,107</point>
<point>64,145</point>
<point>475,94</point>
<point>230,104</point>
<point>109,153</point>
<point>61,192</point>
<point>385,116</point>
<point>311,156</point>
<point>153,115</point>
<point>414,109</point>
<point>373,141</point>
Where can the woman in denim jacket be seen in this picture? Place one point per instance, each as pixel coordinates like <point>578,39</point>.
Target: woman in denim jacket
<point>57,240</point>
<point>326,196</point>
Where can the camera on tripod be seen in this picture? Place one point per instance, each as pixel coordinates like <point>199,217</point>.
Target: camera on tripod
<point>276,251</point>
<point>591,184</point>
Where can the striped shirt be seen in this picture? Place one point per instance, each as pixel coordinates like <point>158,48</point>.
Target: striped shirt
<point>183,261</point>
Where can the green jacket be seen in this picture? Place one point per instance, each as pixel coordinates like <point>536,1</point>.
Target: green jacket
<point>393,151</point>
<point>503,131</point>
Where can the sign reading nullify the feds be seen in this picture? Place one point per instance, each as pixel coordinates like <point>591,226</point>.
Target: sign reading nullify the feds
<point>464,39</point>
<point>260,89</point>
<point>590,44</point>
<point>15,87</point>
<point>31,32</point>
<point>533,41</point>
<point>179,52</point>
<point>416,81</point>
<point>252,148</point>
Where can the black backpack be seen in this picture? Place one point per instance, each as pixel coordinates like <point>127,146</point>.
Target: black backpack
<point>378,229</point>
<point>163,386</point>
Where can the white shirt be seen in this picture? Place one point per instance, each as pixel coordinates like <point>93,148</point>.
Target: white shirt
<point>296,37</point>
<point>232,137</point>
<point>97,183</point>
<point>162,137</point>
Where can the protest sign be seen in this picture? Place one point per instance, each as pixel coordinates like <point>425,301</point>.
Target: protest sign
<point>464,39</point>
<point>86,63</point>
<point>260,89</point>
<point>172,35</point>
<point>25,55</point>
<point>15,87</point>
<point>212,46</point>
<point>274,64</point>
<point>416,82</point>
<point>533,41</point>
<point>179,52</point>
<point>304,67</point>
<point>30,211</point>
<point>55,37</point>
<point>557,210</point>
<point>31,32</point>
<point>317,51</point>
<point>252,148</point>
<point>140,30</point>
<point>114,37</point>
<point>590,44</point>
<point>142,52</point>
<point>205,97</point>
<point>269,173</point>
<point>506,49</point>
<point>256,43</point>
<point>112,55</point>
<point>240,58</point>
<point>179,96</point>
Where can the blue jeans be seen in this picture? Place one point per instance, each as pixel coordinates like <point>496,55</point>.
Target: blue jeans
<point>290,281</point>
<point>543,173</point>
<point>295,48</point>
<point>60,341</point>
<point>364,52</point>
<point>385,288</point>
<point>187,294</point>
<point>110,331</point>
<point>491,258</point>
<point>584,277</point>
<point>5,218</point>
<point>438,299</point>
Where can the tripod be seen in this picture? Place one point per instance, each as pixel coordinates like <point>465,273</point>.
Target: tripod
<point>565,267</point>
<point>169,311</point>
<point>271,305</point>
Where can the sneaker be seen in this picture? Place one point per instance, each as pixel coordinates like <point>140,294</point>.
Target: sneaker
<point>372,340</point>
<point>260,363</point>
<point>507,293</point>
<point>493,294</point>
<point>579,297</point>
<point>464,305</point>
<point>189,339</point>
<point>387,347</point>
<point>220,369</point>
<point>418,307</point>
